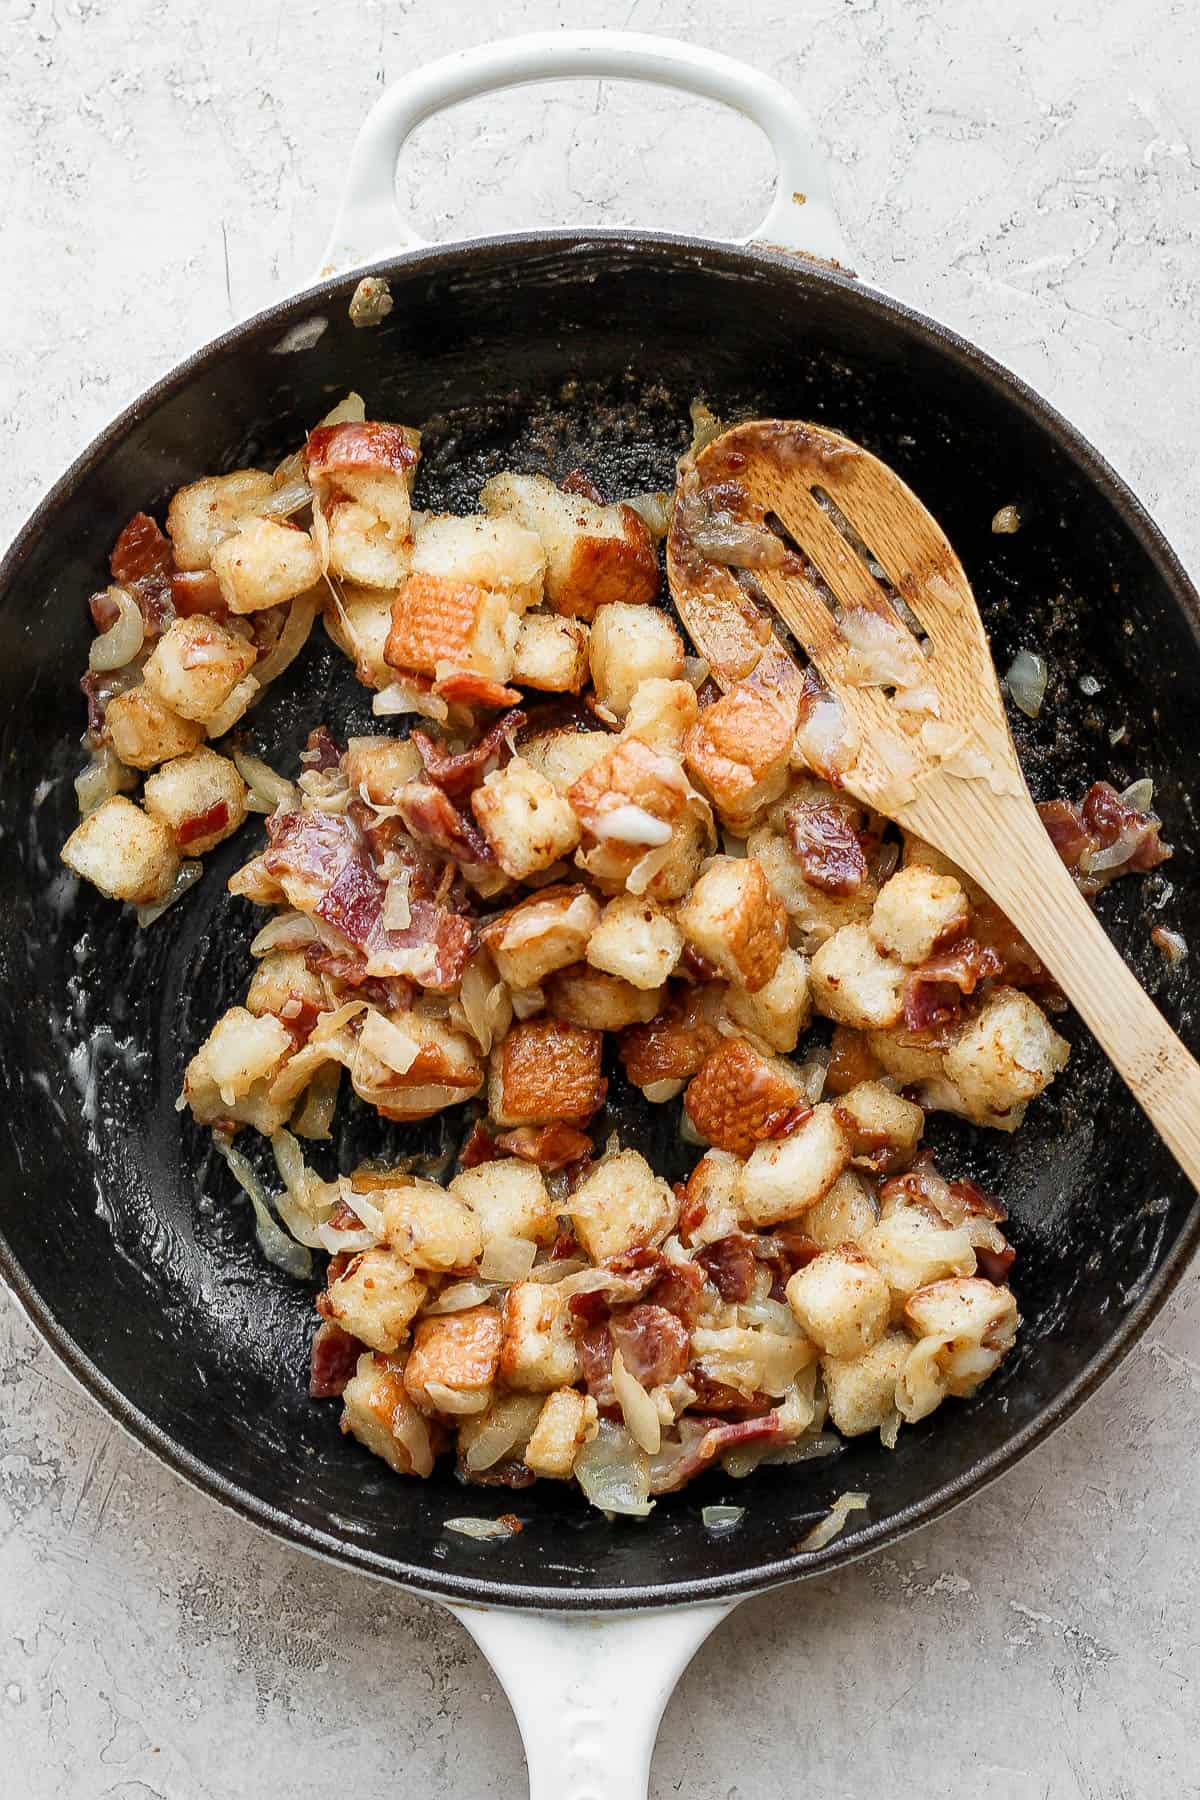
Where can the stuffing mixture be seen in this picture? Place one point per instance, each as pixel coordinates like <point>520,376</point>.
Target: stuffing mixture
<point>574,833</point>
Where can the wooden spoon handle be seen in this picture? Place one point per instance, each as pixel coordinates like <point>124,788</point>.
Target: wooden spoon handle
<point>1010,854</point>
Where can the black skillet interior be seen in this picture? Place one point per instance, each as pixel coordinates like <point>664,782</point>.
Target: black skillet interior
<point>132,1247</point>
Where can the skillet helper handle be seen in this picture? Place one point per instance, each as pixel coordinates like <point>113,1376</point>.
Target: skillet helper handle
<point>370,227</point>
<point>589,1689</point>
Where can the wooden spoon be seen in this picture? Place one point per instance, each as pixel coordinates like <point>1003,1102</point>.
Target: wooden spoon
<point>951,774</point>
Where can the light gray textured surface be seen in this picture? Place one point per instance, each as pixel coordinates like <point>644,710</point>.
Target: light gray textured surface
<point>1027,172</point>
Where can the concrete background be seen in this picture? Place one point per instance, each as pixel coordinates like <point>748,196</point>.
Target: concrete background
<point>1029,173</point>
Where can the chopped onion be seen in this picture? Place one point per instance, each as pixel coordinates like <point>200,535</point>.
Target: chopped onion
<point>289,496</point>
<point>1006,521</point>
<point>527,1001</point>
<point>267,789</point>
<point>1173,944</point>
<point>883,653</point>
<point>614,1473</point>
<point>186,877</point>
<point>889,1431</point>
<point>631,824</point>
<point>696,670</point>
<point>705,426</point>
<point>482,1529</point>
<point>658,1092</point>
<point>350,410</point>
<point>286,931</point>
<point>654,510</point>
<point>316,1116</point>
<point>1026,682</point>
<point>834,1521</point>
<point>1140,794</point>
<point>458,1297</point>
<point>641,1414</point>
<point>397,909</point>
<point>104,776</point>
<point>724,538</point>
<point>506,1431</point>
<point>404,697</point>
<point>371,302</point>
<point>290,642</point>
<point>721,1518</point>
<point>507,1259</point>
<point>826,739</point>
<point>384,1040</point>
<point>813,1072</point>
<point>227,716</point>
<point>124,637</point>
<point>460,1403</point>
<point>273,1241</point>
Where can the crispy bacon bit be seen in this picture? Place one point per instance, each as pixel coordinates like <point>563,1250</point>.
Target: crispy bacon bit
<point>1068,833</point>
<point>933,994</point>
<point>198,825</point>
<point>976,1203</point>
<point>698,965</point>
<point>464,689</point>
<point>321,751</point>
<point>197,591</point>
<point>1109,817</point>
<point>479,1147</point>
<point>551,1147</point>
<point>580,482</point>
<point>729,1264</point>
<point>104,610</point>
<point>590,1309</point>
<point>652,1341</point>
<point>680,1290</point>
<point>595,1359</point>
<point>342,965</point>
<point>335,1269</point>
<point>363,445</point>
<point>141,549</point>
<point>707,694</point>
<point>829,849</point>
<point>994,1265</point>
<point>715,1397</point>
<point>353,904</point>
<point>334,1356</point>
<point>298,1018</point>
<point>566,1244</point>
<point>783,1121</point>
<point>502,1474</point>
<point>457,772</point>
<point>511,1520</point>
<point>720,1436</point>
<point>431,815</point>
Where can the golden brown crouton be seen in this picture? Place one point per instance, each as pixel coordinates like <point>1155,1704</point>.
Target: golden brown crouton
<point>525,819</point>
<point>377,1411</point>
<point>541,934</point>
<point>883,1127</point>
<point>636,940</point>
<point>200,798</point>
<point>378,767</point>
<point>538,1350</point>
<point>854,983</point>
<point>264,564</point>
<point>375,1298</point>
<point>195,666</point>
<point>144,732</point>
<point>551,654</point>
<point>123,852</point>
<point>585,996</point>
<point>783,1177</point>
<point>545,1070</point>
<point>594,554</point>
<point>733,918</point>
<point>453,1360</point>
<point>439,624</point>
<point>736,1093</point>
<point>206,512</point>
<point>841,1301</point>
<point>916,913</point>
<point>567,1421</point>
<point>621,1205</point>
<point>739,749</point>
<point>672,1047</point>
<point>631,645</point>
<point>778,1011</point>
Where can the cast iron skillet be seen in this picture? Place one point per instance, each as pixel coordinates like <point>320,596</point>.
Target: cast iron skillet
<point>128,1246</point>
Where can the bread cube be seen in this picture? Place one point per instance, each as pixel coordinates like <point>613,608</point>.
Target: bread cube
<point>783,1177</point>
<point>375,1298</point>
<point>632,644</point>
<point>739,748</point>
<point>552,654</point>
<point>854,984</point>
<point>143,732</point>
<point>841,1301</point>
<point>662,712</point>
<point>445,1069</point>
<point>1006,1055</point>
<point>200,798</point>
<point>524,818</point>
<point>458,1352</point>
<point>377,1411</point>
<point>362,475</point>
<point>360,623</point>
<point>564,756</point>
<point>734,920</point>
<point>568,1420</point>
<point>240,1050</point>
<point>815,915</point>
<point>672,1047</point>
<point>861,1390</point>
<point>709,1210</point>
<point>917,912</point>
<point>509,1199</point>
<point>440,625</point>
<point>265,564</point>
<point>594,554</point>
<point>493,553</point>
<point>903,1055</point>
<point>378,767</point>
<point>636,941</point>
<point>842,1215</point>
<point>628,799</point>
<point>196,664</point>
<point>544,1071</point>
<point>584,996</point>
<point>282,980</point>
<point>780,1009</point>
<point>736,1094</point>
<point>428,1227</point>
<point>621,1204</point>
<point>975,1324</point>
<point>203,514</point>
<point>124,852</point>
<point>677,866</point>
<point>537,1351</point>
<point>910,1250</point>
<point>884,1128</point>
<point>544,933</point>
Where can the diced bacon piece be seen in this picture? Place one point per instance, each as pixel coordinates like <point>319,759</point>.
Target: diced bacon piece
<point>933,993</point>
<point>829,849</point>
<point>334,1358</point>
<point>652,1341</point>
<point>456,773</point>
<point>549,1146</point>
<point>729,1264</point>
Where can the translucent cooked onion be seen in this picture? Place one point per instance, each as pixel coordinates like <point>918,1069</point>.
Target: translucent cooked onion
<point>723,538</point>
<point>316,1116</point>
<point>104,776</point>
<point>825,739</point>
<point>267,789</point>
<point>1006,521</point>
<point>1026,682</point>
<point>483,1529</point>
<point>883,653</point>
<point>117,646</point>
<point>639,1410</point>
<point>404,697</point>
<point>1140,794</point>
<point>484,1002</point>
<point>290,642</point>
<point>507,1259</point>
<point>290,496</point>
<point>459,1403</point>
<point>614,1473</point>
<point>227,716</point>
<point>721,1518</point>
<point>505,1431</point>
<point>834,1521</point>
<point>278,1248</point>
<point>388,1043</point>
<point>1173,944</point>
<point>705,426</point>
<point>458,1297</point>
<point>286,931</point>
<point>397,908</point>
<point>631,824</point>
<point>186,877</point>
<point>654,510</point>
<point>658,1092</point>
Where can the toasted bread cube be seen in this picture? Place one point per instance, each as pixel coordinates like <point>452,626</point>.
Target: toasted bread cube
<point>905,1056</point>
<point>843,1214</point>
<point>973,1322</point>
<point>524,818</point>
<point>378,767</point>
<point>738,749</point>
<point>916,913</point>
<point>854,984</point>
<point>546,932</point>
<point>489,553</point>
<point>630,797</point>
<point>910,1250</point>
<point>861,1390</point>
<point>568,1420</point>
<point>543,1071</point>
<point>678,866</point>
<point>637,941</point>
<point>783,1177</point>
<point>815,914</point>
<point>734,920</point>
<point>200,798</point>
<point>429,1227</point>
<point>376,1298</point>
<point>360,623</point>
<point>841,1301</point>
<point>552,654</point>
<point>778,1011</point>
<point>736,1093</point>
<point>632,644</point>
<point>884,1128</point>
<point>455,1351</point>
<point>566,755</point>
<point>281,978</point>
<point>196,664</point>
<point>242,1049</point>
<point>265,564</point>
<point>362,475</point>
<point>445,1070</point>
<point>709,1210</point>
<point>439,625</point>
<point>377,1411</point>
<point>584,996</point>
<point>123,852</point>
<point>510,1199</point>
<point>537,1352</point>
<point>672,1047</point>
<point>594,554</point>
<point>622,1205</point>
<point>144,732</point>
<point>1007,1054</point>
<point>662,712</point>
<point>203,514</point>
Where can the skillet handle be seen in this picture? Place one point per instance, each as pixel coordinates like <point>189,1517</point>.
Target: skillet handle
<point>370,228</point>
<point>589,1689</point>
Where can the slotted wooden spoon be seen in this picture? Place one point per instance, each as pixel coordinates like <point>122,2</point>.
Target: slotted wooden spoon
<point>955,781</point>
